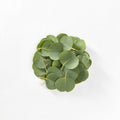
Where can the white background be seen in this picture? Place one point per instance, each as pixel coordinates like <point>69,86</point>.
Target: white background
<point>23,23</point>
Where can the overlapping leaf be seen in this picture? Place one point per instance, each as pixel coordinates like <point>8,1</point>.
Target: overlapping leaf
<point>66,83</point>
<point>54,51</point>
<point>56,63</point>
<point>68,59</point>
<point>61,61</point>
<point>67,42</point>
<point>39,72</point>
<point>53,38</point>
<point>45,48</point>
<point>51,49</point>
<point>82,76</point>
<point>50,80</point>
<point>86,61</point>
<point>41,43</point>
<point>78,44</point>
<point>56,71</point>
<point>61,35</point>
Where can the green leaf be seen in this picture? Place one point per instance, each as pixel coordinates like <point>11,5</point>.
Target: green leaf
<point>41,43</point>
<point>54,50</point>
<point>61,61</point>
<point>40,63</point>
<point>77,52</point>
<point>68,59</point>
<point>56,63</point>
<point>86,54</point>
<point>50,80</point>
<point>67,42</point>
<point>82,76</point>
<point>51,49</point>
<point>80,57</point>
<point>61,35</point>
<point>79,68</point>
<point>48,62</point>
<point>66,83</point>
<point>56,71</point>
<point>38,60</point>
<point>53,38</point>
<point>71,74</point>
<point>61,84</point>
<point>37,56</point>
<point>45,48</point>
<point>78,44</point>
<point>39,72</point>
<point>86,61</point>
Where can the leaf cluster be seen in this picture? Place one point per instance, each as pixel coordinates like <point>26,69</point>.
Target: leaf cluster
<point>61,61</point>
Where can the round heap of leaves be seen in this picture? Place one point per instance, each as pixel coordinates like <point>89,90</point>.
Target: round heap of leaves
<point>61,61</point>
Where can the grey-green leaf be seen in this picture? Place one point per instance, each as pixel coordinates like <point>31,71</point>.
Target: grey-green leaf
<point>61,35</point>
<point>69,60</point>
<point>53,38</point>
<point>61,61</point>
<point>56,71</point>
<point>48,62</point>
<point>45,48</point>
<point>40,63</point>
<point>71,74</point>
<point>37,56</point>
<point>56,63</point>
<point>54,50</point>
<point>83,75</point>
<point>61,84</point>
<point>79,68</point>
<point>50,80</point>
<point>78,44</point>
<point>66,83</point>
<point>38,60</point>
<point>86,61</point>
<point>67,42</point>
<point>41,43</point>
<point>86,54</point>
<point>39,72</point>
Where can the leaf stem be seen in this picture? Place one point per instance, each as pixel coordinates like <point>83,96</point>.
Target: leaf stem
<point>73,49</point>
<point>42,49</point>
<point>62,67</point>
<point>43,78</point>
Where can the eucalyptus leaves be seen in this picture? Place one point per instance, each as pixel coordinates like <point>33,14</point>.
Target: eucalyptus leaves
<point>61,61</point>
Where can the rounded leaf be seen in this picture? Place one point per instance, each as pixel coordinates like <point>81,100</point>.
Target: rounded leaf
<point>54,50</point>
<point>41,43</point>
<point>53,38</point>
<point>56,63</point>
<point>50,81</point>
<point>50,84</point>
<point>61,35</point>
<point>61,84</point>
<point>86,61</point>
<point>37,56</point>
<point>86,54</point>
<point>38,60</point>
<point>56,71</point>
<point>39,72</point>
<point>82,76</point>
<point>45,48</point>
<point>66,83</point>
<point>68,59</point>
<point>71,74</point>
<point>67,42</point>
<point>48,62</point>
<point>40,63</point>
<point>78,44</point>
